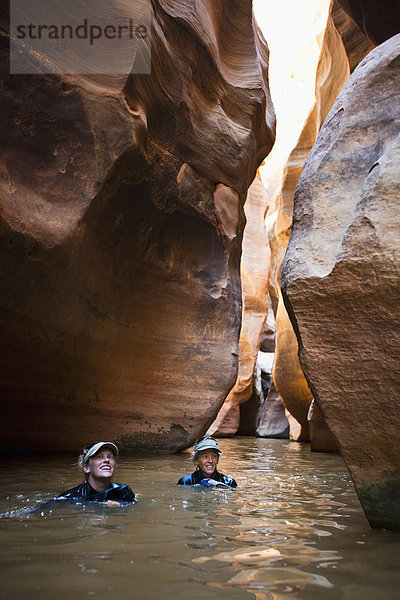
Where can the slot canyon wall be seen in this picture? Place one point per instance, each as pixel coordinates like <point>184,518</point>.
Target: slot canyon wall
<point>333,70</point>
<point>353,30</point>
<point>120,231</point>
<point>255,272</point>
<point>342,45</point>
<point>341,276</point>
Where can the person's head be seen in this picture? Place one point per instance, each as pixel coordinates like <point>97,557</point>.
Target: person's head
<point>98,461</point>
<point>206,454</point>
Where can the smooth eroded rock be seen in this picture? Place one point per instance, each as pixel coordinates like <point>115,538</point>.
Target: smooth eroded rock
<point>120,233</point>
<point>341,277</point>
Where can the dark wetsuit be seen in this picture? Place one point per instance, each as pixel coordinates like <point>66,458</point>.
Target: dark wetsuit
<point>85,492</point>
<point>197,476</point>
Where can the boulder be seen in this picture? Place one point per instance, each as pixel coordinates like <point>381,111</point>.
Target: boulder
<point>341,277</point>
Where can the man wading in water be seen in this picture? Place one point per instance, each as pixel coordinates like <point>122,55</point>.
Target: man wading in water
<point>98,462</point>
<point>205,456</point>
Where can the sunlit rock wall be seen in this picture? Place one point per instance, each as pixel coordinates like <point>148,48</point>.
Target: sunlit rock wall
<point>342,44</point>
<point>341,277</point>
<point>255,269</point>
<point>332,72</point>
<point>120,234</point>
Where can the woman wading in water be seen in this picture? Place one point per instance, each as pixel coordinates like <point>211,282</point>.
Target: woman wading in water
<point>98,462</point>
<point>205,456</point>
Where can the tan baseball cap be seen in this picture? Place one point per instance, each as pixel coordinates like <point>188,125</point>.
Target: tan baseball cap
<point>206,443</point>
<point>93,449</point>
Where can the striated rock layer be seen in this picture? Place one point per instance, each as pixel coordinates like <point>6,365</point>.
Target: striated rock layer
<point>120,231</point>
<point>341,277</point>
<point>379,20</point>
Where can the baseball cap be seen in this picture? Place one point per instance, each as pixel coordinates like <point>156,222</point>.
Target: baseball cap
<point>93,449</point>
<point>206,443</point>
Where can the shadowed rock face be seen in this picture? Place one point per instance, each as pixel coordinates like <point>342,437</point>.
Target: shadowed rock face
<point>355,40</point>
<point>378,19</point>
<point>321,437</point>
<point>120,234</point>
<point>341,277</point>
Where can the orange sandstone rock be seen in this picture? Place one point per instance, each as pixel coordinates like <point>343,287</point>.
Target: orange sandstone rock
<point>120,232</point>
<point>255,266</point>
<point>341,277</point>
<point>332,72</point>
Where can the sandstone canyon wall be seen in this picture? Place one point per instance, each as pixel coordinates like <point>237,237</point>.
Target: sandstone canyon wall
<point>346,42</point>
<point>341,277</point>
<point>255,271</point>
<point>378,20</point>
<point>333,69</point>
<point>120,232</point>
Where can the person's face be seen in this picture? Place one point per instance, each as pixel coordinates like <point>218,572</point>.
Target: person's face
<point>101,465</point>
<point>207,461</point>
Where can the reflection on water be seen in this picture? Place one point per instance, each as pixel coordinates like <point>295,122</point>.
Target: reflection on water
<point>293,530</point>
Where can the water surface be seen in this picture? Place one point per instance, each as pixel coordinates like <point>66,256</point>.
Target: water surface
<point>293,529</point>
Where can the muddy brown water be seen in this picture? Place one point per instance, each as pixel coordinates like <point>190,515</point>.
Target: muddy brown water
<point>293,529</point>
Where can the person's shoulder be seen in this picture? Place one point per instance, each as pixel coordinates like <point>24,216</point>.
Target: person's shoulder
<point>228,480</point>
<point>124,492</point>
<point>127,494</point>
<point>76,492</point>
<point>186,480</point>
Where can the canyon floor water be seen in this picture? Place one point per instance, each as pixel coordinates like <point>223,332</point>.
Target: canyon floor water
<point>294,529</point>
